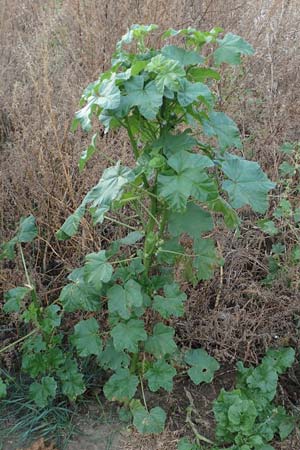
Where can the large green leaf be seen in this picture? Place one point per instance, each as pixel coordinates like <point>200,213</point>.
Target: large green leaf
<point>123,299</point>
<point>126,336</point>
<point>231,47</point>
<point>203,366</point>
<point>121,386</point>
<point>161,342</point>
<point>247,183</point>
<point>160,375</point>
<point>86,338</point>
<point>77,296</point>
<point>187,181</point>
<point>41,393</point>
<point>97,270</point>
<point>193,221</point>
<point>190,92</point>
<point>147,98</point>
<point>183,56</point>
<point>14,297</point>
<point>87,154</point>
<point>71,224</point>
<point>225,129</point>
<point>173,302</point>
<point>168,72</point>
<point>148,422</point>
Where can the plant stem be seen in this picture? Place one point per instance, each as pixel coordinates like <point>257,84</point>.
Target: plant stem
<point>120,223</point>
<point>29,283</point>
<point>143,393</point>
<point>7,347</point>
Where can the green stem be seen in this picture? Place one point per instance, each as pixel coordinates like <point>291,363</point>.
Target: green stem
<point>120,223</point>
<point>7,347</point>
<point>29,283</point>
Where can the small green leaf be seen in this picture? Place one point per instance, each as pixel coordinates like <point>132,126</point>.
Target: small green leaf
<point>121,386</point>
<point>203,366</point>
<point>3,390</point>
<point>97,270</point>
<point>51,318</point>
<point>71,225</point>
<point>41,393</point>
<point>225,129</point>
<point>8,249</point>
<point>168,72</point>
<point>126,336</point>
<point>183,56</point>
<point>86,338</point>
<point>268,226</point>
<point>112,359</point>
<point>185,444</point>
<point>287,148</point>
<point>190,92</point>
<point>72,380</point>
<point>132,238</point>
<point>206,260</point>
<point>14,297</point>
<point>148,422</point>
<point>173,302</point>
<point>231,47</point>
<point>160,375</point>
<point>77,296</point>
<point>174,143</point>
<point>287,169</point>
<point>280,359</point>
<point>122,300</point>
<point>87,154</point>
<point>202,73</point>
<point>27,230</point>
<point>247,184</point>
<point>161,342</point>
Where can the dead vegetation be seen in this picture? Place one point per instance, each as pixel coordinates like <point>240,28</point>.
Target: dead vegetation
<point>50,50</point>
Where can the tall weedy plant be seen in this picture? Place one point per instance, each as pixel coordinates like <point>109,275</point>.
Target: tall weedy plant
<point>183,175</point>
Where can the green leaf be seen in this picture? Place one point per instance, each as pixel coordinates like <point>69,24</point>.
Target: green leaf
<point>121,386</point>
<point>225,129</point>
<point>51,318</point>
<point>71,224</point>
<point>287,148</point>
<point>206,260</point>
<point>268,226</point>
<point>168,72</point>
<point>108,189</point>
<point>287,169</point>
<point>122,300</point>
<point>76,296</point>
<point>202,73</point>
<point>203,366</point>
<point>174,143</point>
<point>193,221</point>
<point>264,379</point>
<point>148,422</point>
<point>185,444</point>
<point>280,359</point>
<point>147,98</point>
<point>161,342</point>
<point>132,238</point>
<point>126,336</point>
<point>112,359</point>
<point>27,230</point>
<point>97,270</point>
<point>87,154</point>
<point>3,390</point>
<point>184,57</point>
<point>247,184</point>
<point>86,338</point>
<point>8,249</point>
<point>190,92</point>
<point>220,205</point>
<point>41,393</point>
<point>231,47</point>
<point>14,297</point>
<point>72,380</point>
<point>160,375</point>
<point>188,180</point>
<point>173,302</point>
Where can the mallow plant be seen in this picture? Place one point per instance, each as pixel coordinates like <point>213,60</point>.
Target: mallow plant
<point>183,177</point>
